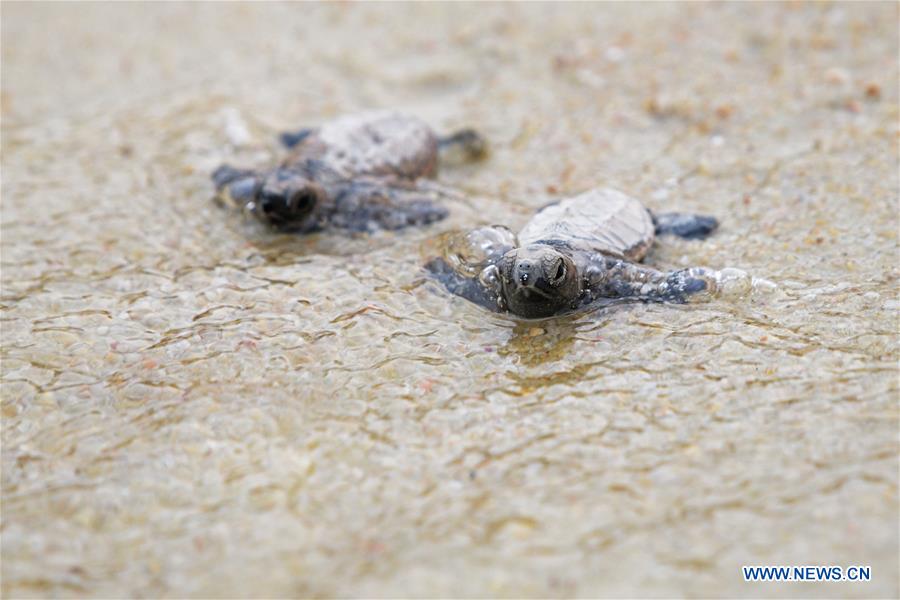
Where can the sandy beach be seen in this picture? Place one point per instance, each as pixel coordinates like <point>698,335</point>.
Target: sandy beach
<point>193,406</point>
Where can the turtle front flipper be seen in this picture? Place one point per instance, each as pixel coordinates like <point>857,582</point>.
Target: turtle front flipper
<point>369,205</point>
<point>684,225</point>
<point>608,277</point>
<point>236,187</point>
<point>458,284</point>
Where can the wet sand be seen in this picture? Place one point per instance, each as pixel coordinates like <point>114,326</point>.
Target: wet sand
<point>193,407</point>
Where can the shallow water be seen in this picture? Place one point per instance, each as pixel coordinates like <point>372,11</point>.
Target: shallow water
<point>194,407</point>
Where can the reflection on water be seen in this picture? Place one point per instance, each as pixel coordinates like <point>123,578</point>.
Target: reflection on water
<point>540,342</point>
<point>193,406</point>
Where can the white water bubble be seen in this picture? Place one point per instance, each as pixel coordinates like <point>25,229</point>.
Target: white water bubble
<point>733,283</point>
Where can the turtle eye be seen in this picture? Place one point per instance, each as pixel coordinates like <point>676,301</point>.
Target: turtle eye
<point>559,272</point>
<point>270,202</point>
<point>301,201</point>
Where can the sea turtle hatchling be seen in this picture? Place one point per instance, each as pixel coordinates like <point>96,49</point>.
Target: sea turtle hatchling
<point>360,172</point>
<point>573,253</point>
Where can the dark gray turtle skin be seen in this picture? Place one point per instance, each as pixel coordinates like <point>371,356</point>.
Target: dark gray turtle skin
<point>571,255</point>
<point>360,173</point>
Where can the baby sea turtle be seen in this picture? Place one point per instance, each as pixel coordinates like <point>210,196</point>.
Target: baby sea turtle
<point>360,172</point>
<point>571,254</point>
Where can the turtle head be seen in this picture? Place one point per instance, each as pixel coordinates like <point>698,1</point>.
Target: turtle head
<point>285,199</point>
<point>538,281</point>
<point>282,198</point>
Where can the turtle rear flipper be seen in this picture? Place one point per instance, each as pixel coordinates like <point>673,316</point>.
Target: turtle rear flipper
<point>369,206</point>
<point>684,225</point>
